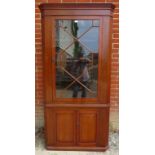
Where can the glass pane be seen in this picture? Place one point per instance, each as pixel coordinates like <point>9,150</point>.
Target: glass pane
<point>90,40</point>
<point>76,58</point>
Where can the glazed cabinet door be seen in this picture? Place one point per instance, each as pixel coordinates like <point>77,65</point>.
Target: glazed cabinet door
<point>76,59</point>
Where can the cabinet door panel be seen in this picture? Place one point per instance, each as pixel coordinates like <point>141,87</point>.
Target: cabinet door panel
<point>87,127</point>
<point>65,127</point>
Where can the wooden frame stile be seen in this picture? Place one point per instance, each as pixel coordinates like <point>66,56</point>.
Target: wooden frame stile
<point>77,123</point>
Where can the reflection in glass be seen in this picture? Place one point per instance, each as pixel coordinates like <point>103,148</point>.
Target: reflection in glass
<point>76,58</point>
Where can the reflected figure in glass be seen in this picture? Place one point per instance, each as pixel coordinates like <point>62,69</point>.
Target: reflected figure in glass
<point>81,70</point>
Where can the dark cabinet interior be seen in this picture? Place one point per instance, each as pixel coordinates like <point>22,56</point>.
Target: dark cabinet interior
<point>77,51</point>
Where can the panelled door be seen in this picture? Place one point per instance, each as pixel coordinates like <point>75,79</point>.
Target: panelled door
<point>76,127</point>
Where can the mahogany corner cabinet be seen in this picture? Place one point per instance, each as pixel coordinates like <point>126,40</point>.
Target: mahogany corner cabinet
<point>77,44</point>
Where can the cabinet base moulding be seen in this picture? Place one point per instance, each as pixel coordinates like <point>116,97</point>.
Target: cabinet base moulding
<point>73,148</point>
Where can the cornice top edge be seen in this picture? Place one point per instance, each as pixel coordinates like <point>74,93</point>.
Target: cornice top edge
<point>81,6</point>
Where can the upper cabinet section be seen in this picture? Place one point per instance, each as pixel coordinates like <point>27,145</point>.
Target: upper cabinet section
<point>77,48</point>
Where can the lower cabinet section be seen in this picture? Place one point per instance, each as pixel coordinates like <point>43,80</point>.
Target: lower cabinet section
<point>78,129</point>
